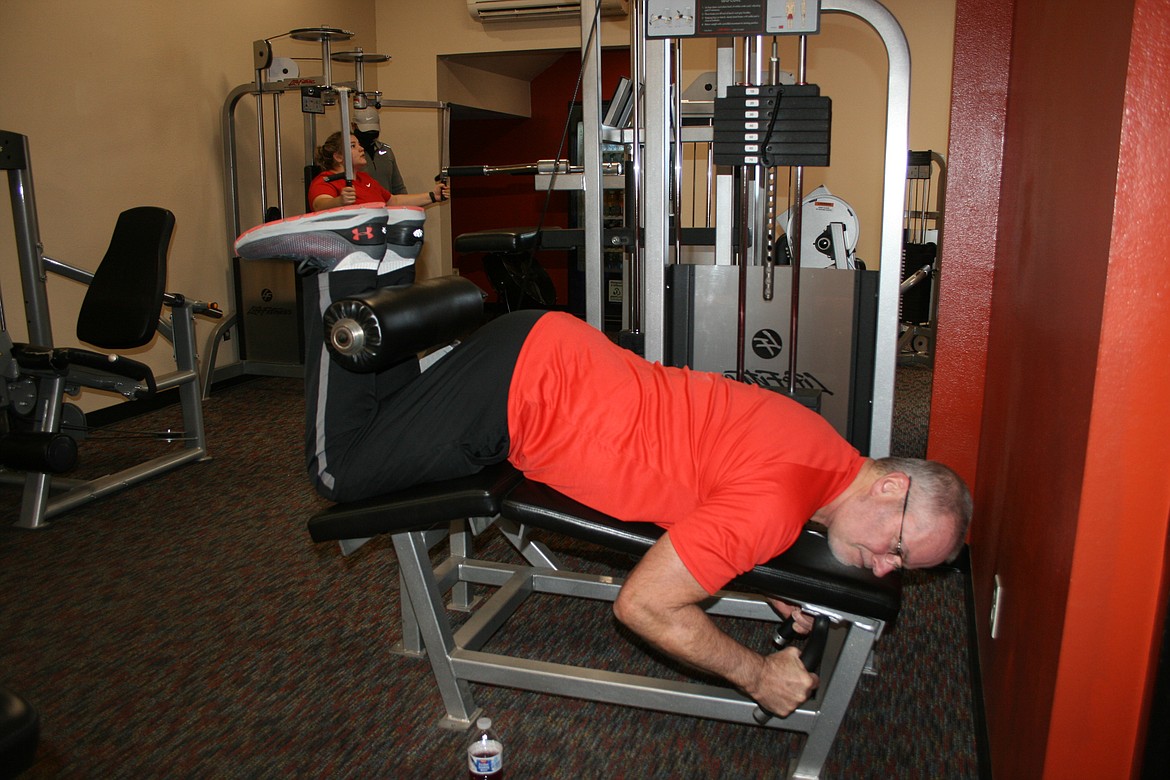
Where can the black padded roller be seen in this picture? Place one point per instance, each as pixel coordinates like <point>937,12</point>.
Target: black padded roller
<point>54,453</point>
<point>375,330</point>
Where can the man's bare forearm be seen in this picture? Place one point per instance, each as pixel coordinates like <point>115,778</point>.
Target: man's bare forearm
<point>660,602</point>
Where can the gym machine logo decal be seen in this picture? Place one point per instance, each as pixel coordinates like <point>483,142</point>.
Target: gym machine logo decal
<point>768,345</point>
<point>267,296</point>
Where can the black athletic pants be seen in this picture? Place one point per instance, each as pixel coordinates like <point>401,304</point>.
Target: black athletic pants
<point>368,434</point>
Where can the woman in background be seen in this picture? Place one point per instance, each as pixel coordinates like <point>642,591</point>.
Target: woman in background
<point>329,189</point>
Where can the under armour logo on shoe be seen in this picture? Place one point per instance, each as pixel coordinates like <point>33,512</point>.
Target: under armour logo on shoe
<point>366,234</point>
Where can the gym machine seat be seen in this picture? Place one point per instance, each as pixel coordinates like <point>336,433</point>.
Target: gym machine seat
<point>121,310</point>
<point>520,282</point>
<point>855,605</point>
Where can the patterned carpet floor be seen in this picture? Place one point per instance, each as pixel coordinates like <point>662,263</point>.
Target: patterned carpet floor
<point>188,627</point>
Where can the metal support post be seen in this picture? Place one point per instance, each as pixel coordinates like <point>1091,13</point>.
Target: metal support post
<point>592,176</point>
<point>657,158</point>
<point>894,182</point>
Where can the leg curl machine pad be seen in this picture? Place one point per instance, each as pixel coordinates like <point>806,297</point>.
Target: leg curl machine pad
<point>858,604</point>
<point>421,315</point>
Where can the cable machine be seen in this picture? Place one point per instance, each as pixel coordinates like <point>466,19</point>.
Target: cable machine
<point>744,228</point>
<point>267,310</point>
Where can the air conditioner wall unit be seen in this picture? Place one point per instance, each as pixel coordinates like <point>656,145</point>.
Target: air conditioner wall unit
<point>520,10</point>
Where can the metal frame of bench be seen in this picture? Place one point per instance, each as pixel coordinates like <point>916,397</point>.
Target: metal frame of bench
<point>859,604</point>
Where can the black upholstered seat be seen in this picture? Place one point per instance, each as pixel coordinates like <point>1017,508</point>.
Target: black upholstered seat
<point>419,507</point>
<point>807,572</point>
<point>123,301</point>
<point>509,240</point>
<point>510,263</point>
<point>122,304</point>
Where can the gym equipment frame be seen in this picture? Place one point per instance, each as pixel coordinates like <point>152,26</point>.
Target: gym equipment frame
<point>655,143</point>
<point>852,605</point>
<point>38,375</point>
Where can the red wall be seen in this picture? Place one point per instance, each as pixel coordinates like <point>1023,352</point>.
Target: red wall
<point>1055,218</point>
<point>983,38</point>
<point>1118,566</point>
<point>1071,454</point>
<point>505,201</point>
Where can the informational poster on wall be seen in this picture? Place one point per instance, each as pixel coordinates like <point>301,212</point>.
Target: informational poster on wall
<point>713,18</point>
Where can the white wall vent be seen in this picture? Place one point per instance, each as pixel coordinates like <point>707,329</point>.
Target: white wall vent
<point>519,10</point>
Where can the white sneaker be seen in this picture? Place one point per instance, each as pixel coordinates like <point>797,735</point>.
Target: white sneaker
<point>334,240</point>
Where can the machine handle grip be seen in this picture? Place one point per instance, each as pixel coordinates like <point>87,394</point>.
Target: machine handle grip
<point>210,309</point>
<point>785,633</point>
<point>814,648</point>
<point>811,656</point>
<point>465,170</point>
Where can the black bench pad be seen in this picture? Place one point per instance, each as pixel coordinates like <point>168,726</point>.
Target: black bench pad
<point>500,240</point>
<point>807,571</point>
<point>418,508</point>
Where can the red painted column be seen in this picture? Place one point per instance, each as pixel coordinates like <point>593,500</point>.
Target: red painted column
<point>983,34</point>
<point>1113,622</point>
<point>1052,364</point>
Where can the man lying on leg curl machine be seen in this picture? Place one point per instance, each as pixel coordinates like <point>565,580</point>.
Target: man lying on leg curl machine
<point>731,471</point>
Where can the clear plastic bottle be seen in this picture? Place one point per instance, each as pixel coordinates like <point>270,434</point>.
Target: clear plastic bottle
<point>485,754</point>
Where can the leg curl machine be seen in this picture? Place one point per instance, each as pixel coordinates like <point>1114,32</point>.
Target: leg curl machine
<point>124,297</point>
<point>853,606</point>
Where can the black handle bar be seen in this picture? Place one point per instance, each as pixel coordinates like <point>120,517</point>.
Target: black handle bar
<point>811,656</point>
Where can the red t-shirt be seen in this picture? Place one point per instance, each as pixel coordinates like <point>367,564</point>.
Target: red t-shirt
<point>365,188</point>
<point>733,471</point>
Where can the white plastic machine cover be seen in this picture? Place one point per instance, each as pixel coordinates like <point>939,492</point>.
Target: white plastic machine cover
<point>821,210</point>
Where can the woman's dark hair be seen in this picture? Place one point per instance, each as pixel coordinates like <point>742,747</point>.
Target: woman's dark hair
<point>325,152</point>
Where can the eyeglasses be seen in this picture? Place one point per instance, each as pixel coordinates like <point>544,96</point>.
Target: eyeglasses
<point>899,551</point>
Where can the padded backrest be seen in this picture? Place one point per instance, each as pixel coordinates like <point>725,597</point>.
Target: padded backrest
<point>122,306</point>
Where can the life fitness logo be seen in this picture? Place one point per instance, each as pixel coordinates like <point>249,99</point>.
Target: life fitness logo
<point>767,344</point>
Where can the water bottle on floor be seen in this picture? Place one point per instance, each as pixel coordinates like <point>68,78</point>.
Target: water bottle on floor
<point>485,754</point>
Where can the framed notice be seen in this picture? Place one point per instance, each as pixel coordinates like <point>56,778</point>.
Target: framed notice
<point>716,18</point>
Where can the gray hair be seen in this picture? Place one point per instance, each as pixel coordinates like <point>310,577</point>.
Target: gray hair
<point>943,491</point>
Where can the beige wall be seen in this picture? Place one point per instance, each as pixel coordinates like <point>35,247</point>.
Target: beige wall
<point>122,105</point>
